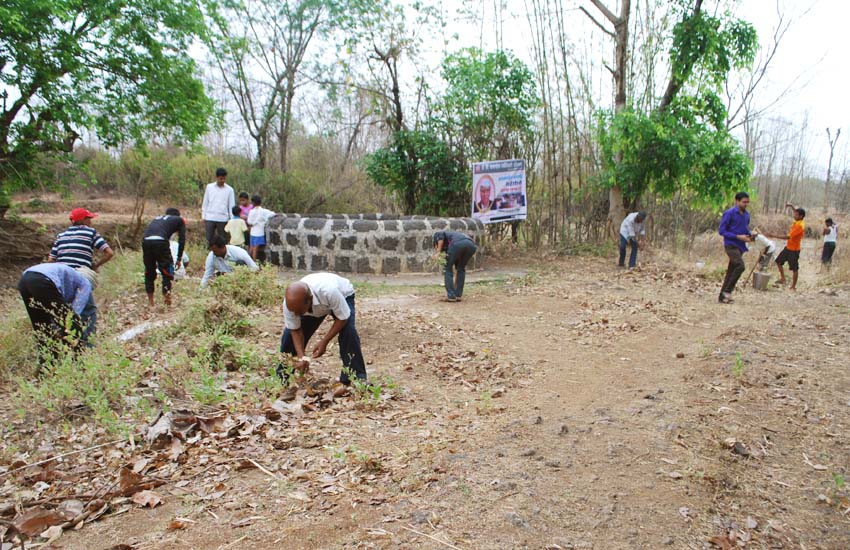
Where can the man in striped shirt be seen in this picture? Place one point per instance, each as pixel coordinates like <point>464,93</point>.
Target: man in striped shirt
<point>75,248</point>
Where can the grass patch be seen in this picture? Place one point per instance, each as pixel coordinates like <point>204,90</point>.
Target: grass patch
<point>94,383</point>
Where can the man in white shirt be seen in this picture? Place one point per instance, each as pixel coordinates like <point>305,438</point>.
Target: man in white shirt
<point>220,258</point>
<point>632,231</point>
<point>307,303</point>
<point>766,248</point>
<point>219,201</point>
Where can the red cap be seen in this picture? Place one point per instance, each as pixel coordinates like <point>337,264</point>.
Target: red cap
<point>79,214</point>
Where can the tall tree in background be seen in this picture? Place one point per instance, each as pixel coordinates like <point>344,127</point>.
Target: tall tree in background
<point>261,50</point>
<point>826,190</point>
<point>682,144</point>
<point>117,67</point>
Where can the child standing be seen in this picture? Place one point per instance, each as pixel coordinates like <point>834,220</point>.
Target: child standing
<point>245,207</point>
<point>236,227</point>
<point>257,219</point>
<point>830,236</point>
<point>791,252</point>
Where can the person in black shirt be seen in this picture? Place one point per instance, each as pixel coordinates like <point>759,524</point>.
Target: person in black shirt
<point>459,248</point>
<point>157,252</point>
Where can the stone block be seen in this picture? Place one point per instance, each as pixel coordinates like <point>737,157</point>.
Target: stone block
<point>331,243</point>
<point>286,258</point>
<point>362,226</point>
<point>342,264</point>
<point>340,225</point>
<point>274,257</point>
<point>391,225</point>
<point>414,225</point>
<point>290,223</point>
<point>391,264</point>
<point>315,223</point>
<point>414,265</point>
<point>428,243</point>
<point>347,243</point>
<point>292,239</point>
<point>302,264</point>
<point>457,225</point>
<point>314,240</point>
<point>274,238</point>
<point>410,244</point>
<point>362,265</point>
<point>387,243</point>
<point>319,262</point>
<point>439,225</point>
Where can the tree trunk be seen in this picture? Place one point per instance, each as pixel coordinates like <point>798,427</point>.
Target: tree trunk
<point>616,204</point>
<point>286,123</point>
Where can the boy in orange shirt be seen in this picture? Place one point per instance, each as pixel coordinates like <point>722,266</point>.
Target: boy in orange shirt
<point>791,252</point>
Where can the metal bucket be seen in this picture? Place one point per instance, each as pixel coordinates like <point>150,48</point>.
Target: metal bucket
<point>760,280</point>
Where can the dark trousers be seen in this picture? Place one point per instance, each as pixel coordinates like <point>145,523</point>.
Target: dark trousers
<point>459,254</point>
<point>349,343</point>
<point>633,256</point>
<point>156,254</point>
<point>734,270</point>
<point>52,318</point>
<point>215,228</point>
<point>828,251</point>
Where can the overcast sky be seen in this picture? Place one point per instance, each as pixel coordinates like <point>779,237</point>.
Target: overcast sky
<point>810,63</point>
<point>814,55</point>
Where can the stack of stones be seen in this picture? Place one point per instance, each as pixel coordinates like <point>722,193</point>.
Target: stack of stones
<point>361,243</point>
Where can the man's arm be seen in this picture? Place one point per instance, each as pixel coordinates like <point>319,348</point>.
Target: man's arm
<point>205,203</point>
<point>105,255</point>
<point>209,269</point>
<point>322,346</point>
<point>181,242</point>
<point>243,256</point>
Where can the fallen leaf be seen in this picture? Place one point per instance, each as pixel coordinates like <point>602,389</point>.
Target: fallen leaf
<point>299,495</point>
<point>36,520</point>
<point>71,508</point>
<point>147,498</point>
<point>245,522</point>
<point>176,525</point>
<point>127,479</point>
<point>675,475</point>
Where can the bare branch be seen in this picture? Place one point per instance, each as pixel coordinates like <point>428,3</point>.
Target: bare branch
<point>597,23</point>
<point>609,15</point>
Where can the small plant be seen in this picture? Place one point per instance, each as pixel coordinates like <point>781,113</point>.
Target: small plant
<point>839,481</point>
<point>740,365</point>
<point>207,390</point>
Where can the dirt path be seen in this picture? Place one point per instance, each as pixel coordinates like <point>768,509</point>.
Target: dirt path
<point>584,407</point>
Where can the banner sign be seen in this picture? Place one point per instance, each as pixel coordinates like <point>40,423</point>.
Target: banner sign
<point>498,191</point>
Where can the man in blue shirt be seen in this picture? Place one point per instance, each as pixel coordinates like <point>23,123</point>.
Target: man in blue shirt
<point>735,229</point>
<point>55,296</point>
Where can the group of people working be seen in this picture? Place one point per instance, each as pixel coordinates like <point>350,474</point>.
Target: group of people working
<point>59,297</point>
<point>736,233</point>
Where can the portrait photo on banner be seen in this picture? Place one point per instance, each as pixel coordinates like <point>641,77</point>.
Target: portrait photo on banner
<point>498,191</point>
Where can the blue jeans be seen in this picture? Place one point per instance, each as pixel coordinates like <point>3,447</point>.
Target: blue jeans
<point>349,343</point>
<point>633,256</point>
<point>89,319</point>
<point>458,255</point>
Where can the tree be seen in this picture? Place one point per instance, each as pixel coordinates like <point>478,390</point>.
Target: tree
<point>489,106</point>
<point>826,190</point>
<point>684,142</point>
<point>117,67</point>
<point>261,50</point>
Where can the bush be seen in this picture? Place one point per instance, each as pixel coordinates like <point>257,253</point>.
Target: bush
<point>95,382</point>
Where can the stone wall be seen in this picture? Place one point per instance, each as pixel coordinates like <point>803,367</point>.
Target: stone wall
<point>364,243</point>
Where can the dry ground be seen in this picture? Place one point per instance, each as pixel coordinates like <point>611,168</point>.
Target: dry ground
<point>577,407</point>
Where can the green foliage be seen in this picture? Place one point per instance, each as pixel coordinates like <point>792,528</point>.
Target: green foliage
<point>423,173</point>
<point>740,365</point>
<point>98,380</point>
<point>684,145</point>
<point>490,103</point>
<point>664,153</point>
<point>487,112</point>
<point>118,67</point>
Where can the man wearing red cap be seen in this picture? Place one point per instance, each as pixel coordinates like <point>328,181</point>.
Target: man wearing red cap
<point>75,248</point>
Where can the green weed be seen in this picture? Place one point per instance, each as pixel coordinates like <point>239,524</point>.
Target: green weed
<point>740,365</point>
